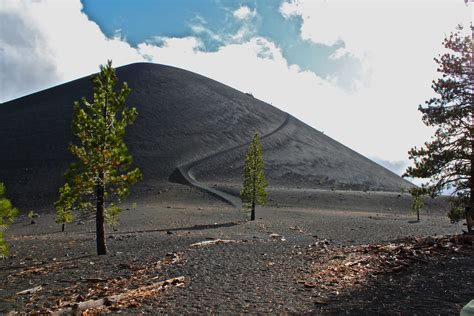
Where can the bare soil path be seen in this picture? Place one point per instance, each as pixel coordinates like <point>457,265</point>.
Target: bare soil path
<point>184,173</point>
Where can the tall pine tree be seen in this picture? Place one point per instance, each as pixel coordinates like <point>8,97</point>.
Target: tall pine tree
<point>447,159</point>
<point>100,178</point>
<point>253,192</point>
<point>7,215</point>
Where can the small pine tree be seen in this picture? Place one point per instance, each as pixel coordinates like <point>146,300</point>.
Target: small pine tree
<point>100,178</point>
<point>64,206</point>
<point>31,216</point>
<point>253,192</point>
<point>7,215</point>
<point>417,201</point>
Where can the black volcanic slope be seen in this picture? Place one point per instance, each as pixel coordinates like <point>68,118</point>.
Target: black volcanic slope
<point>189,129</point>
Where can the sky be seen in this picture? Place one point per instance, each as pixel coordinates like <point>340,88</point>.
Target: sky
<point>355,69</point>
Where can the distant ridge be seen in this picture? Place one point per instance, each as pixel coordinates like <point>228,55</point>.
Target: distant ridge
<point>187,123</point>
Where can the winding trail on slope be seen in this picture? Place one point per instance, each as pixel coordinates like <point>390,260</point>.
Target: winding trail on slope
<point>182,174</point>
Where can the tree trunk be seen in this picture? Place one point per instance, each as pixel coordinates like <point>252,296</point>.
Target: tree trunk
<point>470,209</point>
<point>254,191</point>
<point>62,228</point>
<point>252,214</point>
<point>418,215</point>
<point>99,219</point>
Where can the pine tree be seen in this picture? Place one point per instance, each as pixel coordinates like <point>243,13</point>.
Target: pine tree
<point>100,178</point>
<point>447,159</point>
<point>253,192</point>
<point>64,206</point>
<point>7,215</point>
<point>417,201</point>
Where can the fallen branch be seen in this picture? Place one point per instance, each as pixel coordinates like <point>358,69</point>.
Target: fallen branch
<point>139,293</point>
<point>212,242</point>
<point>30,291</point>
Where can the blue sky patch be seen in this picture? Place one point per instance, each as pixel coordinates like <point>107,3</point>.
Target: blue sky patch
<point>213,22</point>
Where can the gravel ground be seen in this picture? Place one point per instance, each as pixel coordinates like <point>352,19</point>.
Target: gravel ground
<point>256,273</point>
<point>441,287</point>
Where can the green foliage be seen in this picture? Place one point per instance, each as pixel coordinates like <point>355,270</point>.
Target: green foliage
<point>112,215</point>
<point>253,191</point>
<point>7,215</point>
<point>32,215</point>
<point>101,175</point>
<point>417,201</point>
<point>446,159</point>
<point>64,205</point>
<point>456,213</point>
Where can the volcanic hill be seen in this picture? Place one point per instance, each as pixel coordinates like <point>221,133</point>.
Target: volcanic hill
<point>190,130</point>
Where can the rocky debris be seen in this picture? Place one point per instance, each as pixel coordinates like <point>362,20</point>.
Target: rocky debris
<point>129,298</point>
<point>122,286</point>
<point>277,236</point>
<point>338,269</point>
<point>298,229</point>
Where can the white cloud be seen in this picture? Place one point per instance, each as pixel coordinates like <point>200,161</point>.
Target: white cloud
<point>397,167</point>
<point>365,25</point>
<point>244,13</point>
<point>201,29</point>
<point>395,42</point>
<point>185,48</point>
<point>54,42</point>
<point>254,66</point>
<point>243,33</point>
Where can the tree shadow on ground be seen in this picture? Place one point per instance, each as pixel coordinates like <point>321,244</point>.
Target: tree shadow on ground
<point>191,228</point>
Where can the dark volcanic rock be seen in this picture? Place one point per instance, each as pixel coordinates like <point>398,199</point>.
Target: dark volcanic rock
<point>183,118</point>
